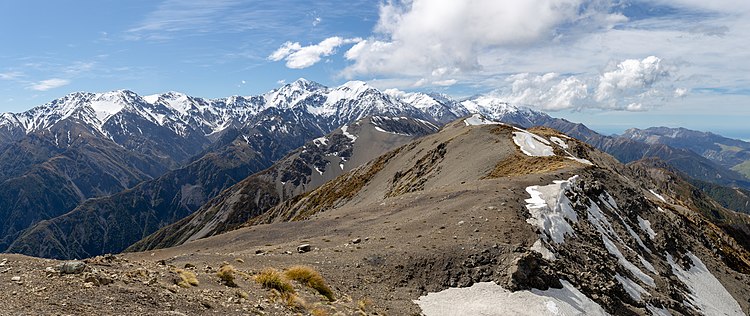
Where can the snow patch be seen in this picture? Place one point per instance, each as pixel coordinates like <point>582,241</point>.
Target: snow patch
<point>478,119</point>
<point>707,294</point>
<point>151,98</point>
<point>377,128</point>
<point>559,142</point>
<point>320,141</point>
<point>658,196</point>
<point>532,145</point>
<point>490,299</point>
<point>634,235</point>
<point>539,247</point>
<point>104,109</point>
<point>350,136</point>
<point>581,160</point>
<point>550,209</point>
<point>645,225</point>
<point>612,249</point>
<point>658,311</point>
<point>634,290</point>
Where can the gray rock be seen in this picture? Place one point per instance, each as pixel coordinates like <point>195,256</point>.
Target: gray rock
<point>356,240</point>
<point>72,267</point>
<point>304,248</point>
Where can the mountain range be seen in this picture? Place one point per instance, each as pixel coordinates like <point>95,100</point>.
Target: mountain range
<point>110,169</point>
<point>407,203</point>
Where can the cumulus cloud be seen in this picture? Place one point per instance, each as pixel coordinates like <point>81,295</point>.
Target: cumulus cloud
<point>49,84</point>
<point>549,91</point>
<point>631,82</point>
<point>420,36</point>
<point>629,85</point>
<point>298,56</point>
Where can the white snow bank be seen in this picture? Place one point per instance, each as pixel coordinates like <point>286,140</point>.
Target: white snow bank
<point>707,295</point>
<point>612,249</point>
<point>104,109</point>
<point>550,209</point>
<point>658,196</point>
<point>377,128</point>
<point>478,119</point>
<point>645,225</point>
<point>658,311</point>
<point>350,136</point>
<point>634,235</point>
<point>532,144</point>
<point>633,289</point>
<point>581,160</point>
<point>490,299</point>
<point>559,142</point>
<point>539,247</point>
<point>320,141</point>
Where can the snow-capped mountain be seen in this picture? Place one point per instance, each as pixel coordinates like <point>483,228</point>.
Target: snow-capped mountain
<point>173,152</point>
<point>122,113</point>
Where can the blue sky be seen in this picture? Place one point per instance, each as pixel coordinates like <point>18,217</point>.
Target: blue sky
<point>611,64</point>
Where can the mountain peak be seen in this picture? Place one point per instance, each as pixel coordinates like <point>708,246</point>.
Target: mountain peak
<point>307,85</point>
<point>356,85</point>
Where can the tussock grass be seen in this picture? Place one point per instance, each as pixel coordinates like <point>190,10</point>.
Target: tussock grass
<point>319,312</point>
<point>272,279</point>
<point>187,278</point>
<point>294,302</point>
<point>364,304</point>
<point>226,274</point>
<point>310,278</point>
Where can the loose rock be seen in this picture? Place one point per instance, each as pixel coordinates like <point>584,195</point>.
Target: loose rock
<point>304,248</point>
<point>72,267</point>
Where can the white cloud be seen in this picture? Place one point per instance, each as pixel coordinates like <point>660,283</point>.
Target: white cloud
<point>419,37</point>
<point>298,56</point>
<point>630,85</point>
<point>49,84</point>
<point>445,83</point>
<point>549,91</point>
<point>680,92</point>
<point>632,81</point>
<point>10,75</point>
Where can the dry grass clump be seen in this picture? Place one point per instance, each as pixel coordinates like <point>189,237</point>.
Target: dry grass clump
<point>310,278</point>
<point>319,312</point>
<point>187,278</point>
<point>364,304</point>
<point>520,164</point>
<point>272,279</point>
<point>293,302</point>
<point>226,274</point>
